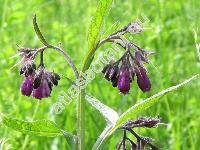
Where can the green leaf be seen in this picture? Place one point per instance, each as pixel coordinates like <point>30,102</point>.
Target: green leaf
<point>95,30</point>
<point>38,128</point>
<point>109,114</point>
<point>139,107</point>
<point>132,111</point>
<point>38,32</point>
<point>113,28</point>
<point>97,22</point>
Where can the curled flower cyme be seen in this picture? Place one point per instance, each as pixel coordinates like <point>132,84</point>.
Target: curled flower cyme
<point>141,142</point>
<point>38,81</point>
<point>121,73</point>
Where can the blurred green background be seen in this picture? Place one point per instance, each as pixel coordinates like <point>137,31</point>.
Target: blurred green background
<point>67,21</point>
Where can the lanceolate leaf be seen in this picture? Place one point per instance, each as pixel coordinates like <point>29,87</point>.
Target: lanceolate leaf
<point>38,32</point>
<point>95,30</point>
<point>97,21</point>
<point>109,114</point>
<point>38,128</point>
<point>113,28</point>
<point>132,111</point>
<point>137,108</point>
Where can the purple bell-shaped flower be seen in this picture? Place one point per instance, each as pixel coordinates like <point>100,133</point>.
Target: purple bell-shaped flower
<point>43,83</point>
<point>43,90</point>
<point>143,80</point>
<point>124,80</point>
<point>27,86</point>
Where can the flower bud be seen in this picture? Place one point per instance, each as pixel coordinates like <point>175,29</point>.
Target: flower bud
<point>36,82</point>
<point>143,80</point>
<point>53,78</point>
<point>140,56</point>
<point>26,52</point>
<point>124,80</point>
<point>134,27</point>
<point>113,72</point>
<point>110,73</point>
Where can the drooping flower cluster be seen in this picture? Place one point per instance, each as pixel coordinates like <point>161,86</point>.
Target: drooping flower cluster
<point>38,82</point>
<point>141,142</point>
<point>122,72</point>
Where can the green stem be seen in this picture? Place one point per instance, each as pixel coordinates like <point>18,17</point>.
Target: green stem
<point>81,121</point>
<point>81,99</point>
<point>41,58</point>
<point>81,103</point>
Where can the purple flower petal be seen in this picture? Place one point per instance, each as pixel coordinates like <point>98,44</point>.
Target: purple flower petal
<point>27,86</point>
<point>42,91</point>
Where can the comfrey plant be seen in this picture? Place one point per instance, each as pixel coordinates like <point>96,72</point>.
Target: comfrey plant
<point>39,83</point>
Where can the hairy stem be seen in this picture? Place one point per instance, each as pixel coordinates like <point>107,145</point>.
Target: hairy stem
<point>81,100</point>
<point>124,140</point>
<point>81,121</point>
<point>47,45</point>
<point>69,60</point>
<point>63,52</point>
<point>41,59</point>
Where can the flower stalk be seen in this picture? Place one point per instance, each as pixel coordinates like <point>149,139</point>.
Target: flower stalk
<point>41,59</point>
